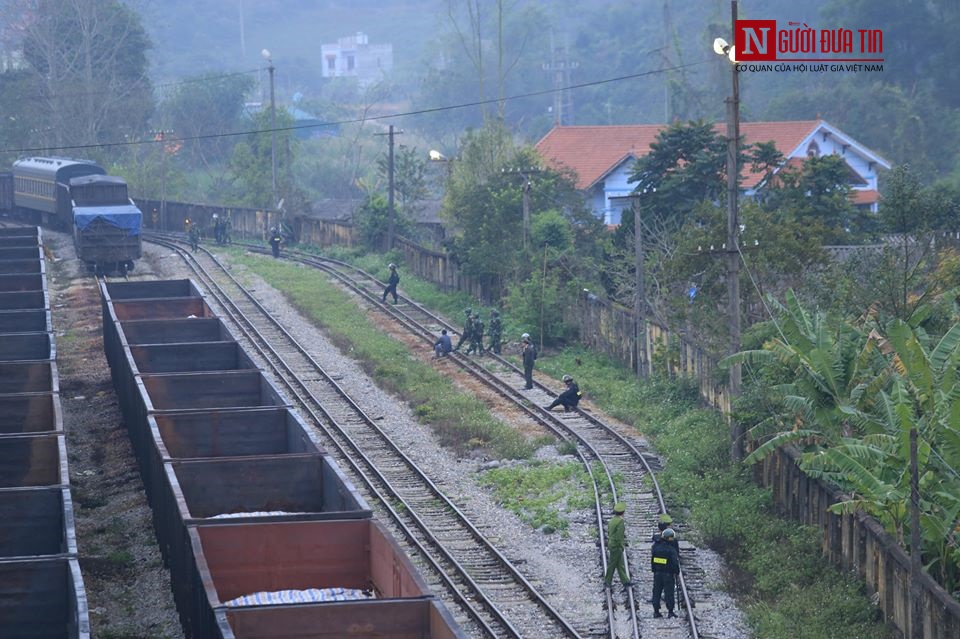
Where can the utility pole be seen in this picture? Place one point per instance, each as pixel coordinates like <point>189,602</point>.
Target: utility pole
<point>639,294</point>
<point>273,129</point>
<point>733,231</point>
<point>525,173</point>
<point>391,211</point>
<point>560,66</point>
<point>916,545</point>
<point>160,136</point>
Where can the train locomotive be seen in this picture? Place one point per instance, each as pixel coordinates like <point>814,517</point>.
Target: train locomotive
<point>77,196</point>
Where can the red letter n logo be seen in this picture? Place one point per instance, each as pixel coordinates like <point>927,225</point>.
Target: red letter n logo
<point>756,40</point>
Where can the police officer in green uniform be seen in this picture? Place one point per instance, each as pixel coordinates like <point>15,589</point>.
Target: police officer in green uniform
<point>616,541</point>
<point>496,331</point>
<point>476,336</point>
<point>194,233</point>
<point>467,328</point>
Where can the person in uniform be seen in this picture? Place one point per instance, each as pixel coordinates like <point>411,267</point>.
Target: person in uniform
<point>392,282</point>
<point>616,542</point>
<point>467,328</point>
<point>665,564</point>
<point>496,330</point>
<point>275,239</point>
<point>217,229</point>
<point>569,398</point>
<point>476,337</point>
<point>193,232</point>
<point>529,353</point>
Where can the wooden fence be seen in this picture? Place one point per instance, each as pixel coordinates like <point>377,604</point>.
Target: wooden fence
<point>172,216</point>
<point>608,327</point>
<point>858,543</point>
<point>440,269</point>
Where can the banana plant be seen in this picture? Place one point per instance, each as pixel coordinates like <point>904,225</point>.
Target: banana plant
<point>851,399</point>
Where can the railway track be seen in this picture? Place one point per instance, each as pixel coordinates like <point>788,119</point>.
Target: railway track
<point>496,598</point>
<point>599,445</point>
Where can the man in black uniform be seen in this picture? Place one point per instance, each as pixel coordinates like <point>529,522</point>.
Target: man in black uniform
<point>275,239</point>
<point>568,398</point>
<point>392,284</point>
<point>529,354</point>
<point>665,564</point>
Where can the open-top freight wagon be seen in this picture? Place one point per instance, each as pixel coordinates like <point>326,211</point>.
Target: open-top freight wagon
<point>263,534</point>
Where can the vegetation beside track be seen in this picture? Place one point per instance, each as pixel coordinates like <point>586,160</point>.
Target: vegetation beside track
<point>460,420</point>
<point>777,572</point>
<point>541,493</point>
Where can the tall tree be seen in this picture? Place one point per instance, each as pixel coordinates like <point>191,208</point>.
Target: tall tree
<point>89,67</point>
<point>205,107</point>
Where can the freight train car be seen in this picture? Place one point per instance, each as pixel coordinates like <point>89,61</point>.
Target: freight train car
<point>41,589</point>
<point>263,534</point>
<point>77,196</point>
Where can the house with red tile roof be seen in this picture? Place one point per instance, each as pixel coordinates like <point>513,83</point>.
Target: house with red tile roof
<point>603,157</point>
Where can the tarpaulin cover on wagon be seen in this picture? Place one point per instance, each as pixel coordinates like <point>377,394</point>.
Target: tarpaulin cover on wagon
<point>126,217</point>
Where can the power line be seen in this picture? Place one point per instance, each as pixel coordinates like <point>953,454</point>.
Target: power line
<point>440,109</point>
<point>80,94</point>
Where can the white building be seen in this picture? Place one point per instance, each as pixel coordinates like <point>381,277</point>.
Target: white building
<point>354,57</point>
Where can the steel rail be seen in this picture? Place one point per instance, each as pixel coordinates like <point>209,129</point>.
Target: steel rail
<point>547,420</point>
<point>408,508</point>
<point>318,261</point>
<point>322,263</point>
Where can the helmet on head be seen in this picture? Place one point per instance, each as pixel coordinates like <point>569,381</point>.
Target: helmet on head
<point>392,266</point>
<point>215,216</point>
<point>666,519</point>
<point>668,534</point>
<point>620,508</point>
<point>525,336</point>
<point>567,378</point>
<point>494,312</point>
<point>468,310</point>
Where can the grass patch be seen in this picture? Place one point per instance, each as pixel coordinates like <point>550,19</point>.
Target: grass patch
<point>460,420</point>
<point>541,493</point>
<point>427,294</point>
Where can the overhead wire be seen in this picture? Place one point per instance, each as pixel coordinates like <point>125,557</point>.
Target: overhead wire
<point>415,112</point>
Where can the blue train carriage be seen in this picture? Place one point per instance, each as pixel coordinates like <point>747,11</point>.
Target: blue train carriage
<point>41,188</point>
<point>106,223</point>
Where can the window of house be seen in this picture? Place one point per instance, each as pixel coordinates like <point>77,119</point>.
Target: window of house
<point>350,63</point>
<point>331,62</point>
